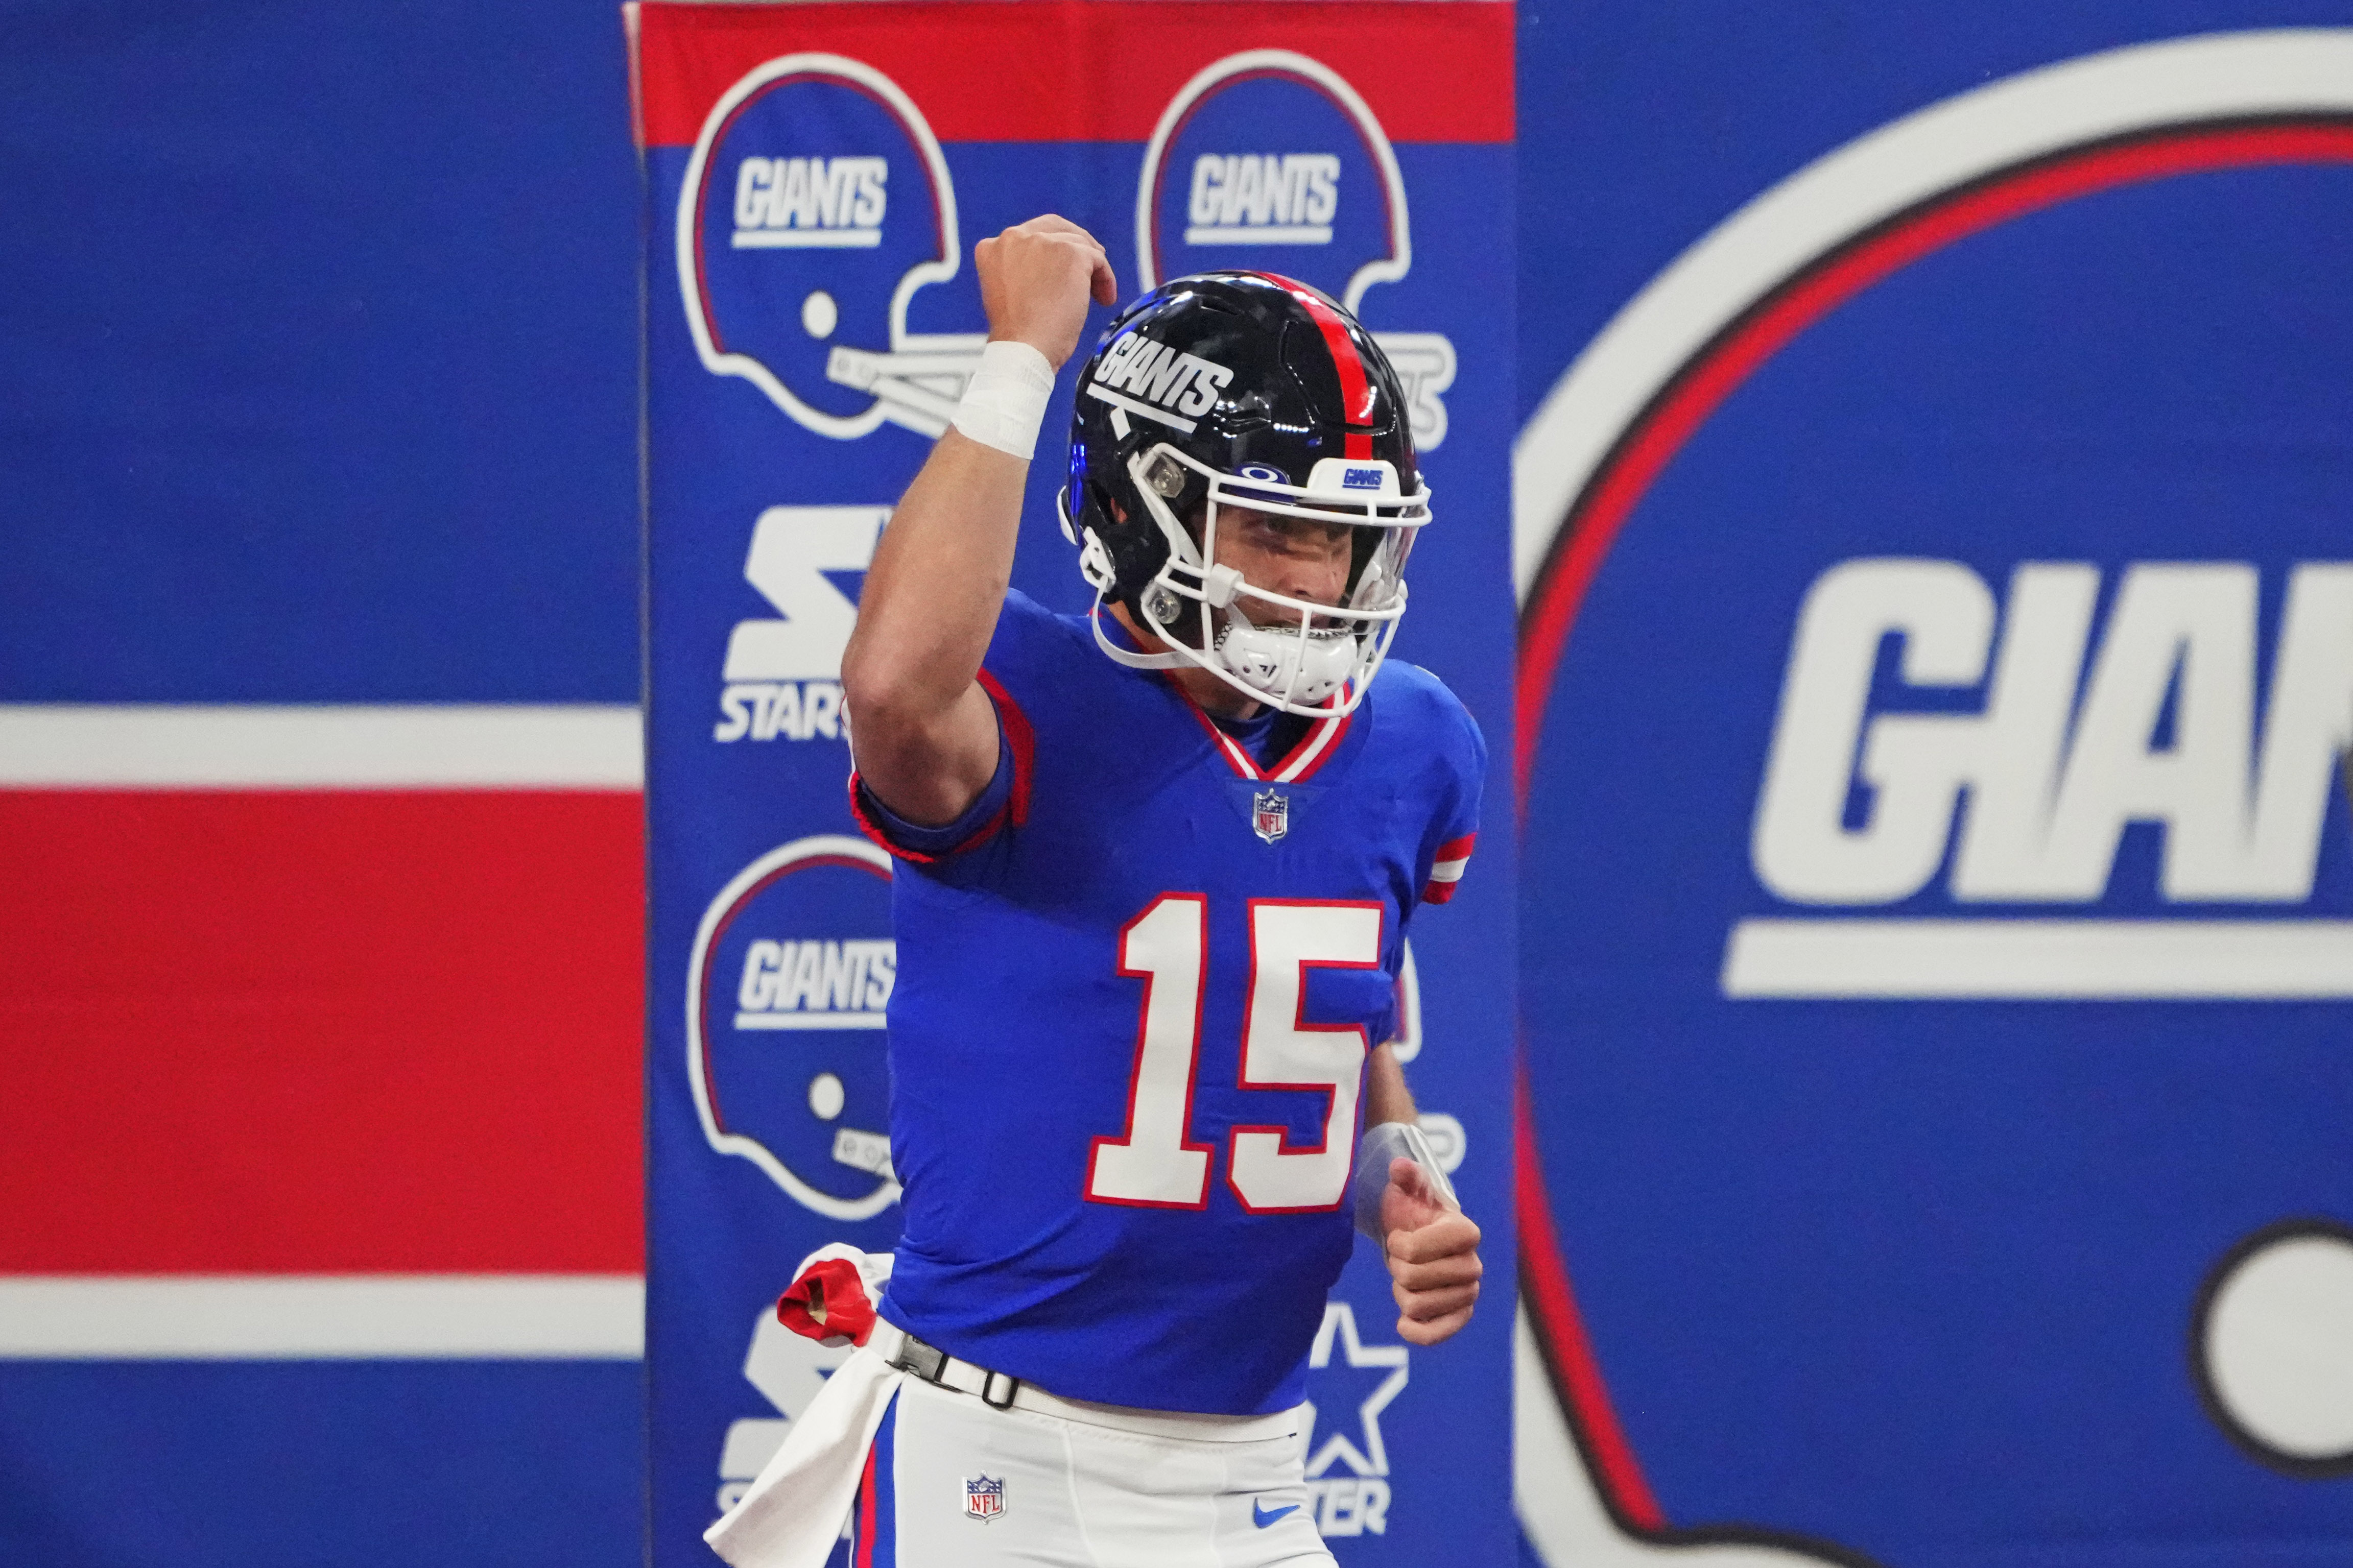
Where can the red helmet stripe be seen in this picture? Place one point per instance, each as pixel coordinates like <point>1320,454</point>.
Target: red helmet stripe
<point>1355,386</point>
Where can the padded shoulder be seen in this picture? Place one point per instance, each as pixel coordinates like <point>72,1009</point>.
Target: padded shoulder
<point>1419,704</point>
<point>1032,642</point>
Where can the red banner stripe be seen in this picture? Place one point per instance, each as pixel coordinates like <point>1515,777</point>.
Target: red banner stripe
<point>321,1032</point>
<point>1074,71</point>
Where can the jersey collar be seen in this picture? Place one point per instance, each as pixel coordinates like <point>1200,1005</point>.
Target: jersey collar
<point>1297,765</point>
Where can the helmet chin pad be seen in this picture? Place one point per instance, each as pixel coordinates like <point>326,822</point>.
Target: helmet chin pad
<point>1291,665</point>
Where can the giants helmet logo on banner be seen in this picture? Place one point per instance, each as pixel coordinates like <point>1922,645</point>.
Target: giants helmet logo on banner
<point>788,988</point>
<point>816,205</point>
<point>1270,161</point>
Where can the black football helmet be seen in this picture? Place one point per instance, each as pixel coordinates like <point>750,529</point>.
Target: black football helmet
<point>1247,390</point>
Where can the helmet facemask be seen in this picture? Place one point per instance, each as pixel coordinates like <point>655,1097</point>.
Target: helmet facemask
<point>1292,654</point>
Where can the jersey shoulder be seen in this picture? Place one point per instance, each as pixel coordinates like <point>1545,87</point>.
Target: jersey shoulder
<point>1420,711</point>
<point>1434,724</point>
<point>1031,643</point>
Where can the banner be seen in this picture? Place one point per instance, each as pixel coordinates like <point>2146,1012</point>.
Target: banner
<point>816,177</point>
<point>1938,660</point>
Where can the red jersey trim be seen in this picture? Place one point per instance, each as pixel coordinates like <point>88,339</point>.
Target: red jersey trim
<point>1020,741</point>
<point>1446,869</point>
<point>1297,765</point>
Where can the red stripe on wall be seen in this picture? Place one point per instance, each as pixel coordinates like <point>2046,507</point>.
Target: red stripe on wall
<point>1074,71</point>
<point>1577,1374</point>
<point>321,1032</point>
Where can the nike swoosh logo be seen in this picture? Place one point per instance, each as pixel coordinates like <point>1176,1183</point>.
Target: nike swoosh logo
<point>1262,1516</point>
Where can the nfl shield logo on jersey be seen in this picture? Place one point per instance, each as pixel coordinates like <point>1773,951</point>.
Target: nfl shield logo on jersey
<point>1271,813</point>
<point>983,1497</point>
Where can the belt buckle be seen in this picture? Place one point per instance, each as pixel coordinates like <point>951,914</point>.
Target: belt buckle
<point>927,1361</point>
<point>989,1381</point>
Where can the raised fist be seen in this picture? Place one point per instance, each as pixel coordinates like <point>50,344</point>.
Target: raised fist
<point>1036,280</point>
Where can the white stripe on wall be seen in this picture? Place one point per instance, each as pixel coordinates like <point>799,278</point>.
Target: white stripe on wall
<point>305,1317</point>
<point>2144,960</point>
<point>67,745</point>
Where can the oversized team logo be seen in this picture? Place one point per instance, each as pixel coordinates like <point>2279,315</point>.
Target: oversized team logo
<point>816,205</point>
<point>788,985</point>
<point>1269,161</point>
<point>2005,668</point>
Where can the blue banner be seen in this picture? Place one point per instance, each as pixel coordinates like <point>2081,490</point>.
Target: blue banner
<point>817,176</point>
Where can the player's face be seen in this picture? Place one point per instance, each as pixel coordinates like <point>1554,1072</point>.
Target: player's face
<point>1293,556</point>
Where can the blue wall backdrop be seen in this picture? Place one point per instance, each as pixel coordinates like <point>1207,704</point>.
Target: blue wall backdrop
<point>771,473</point>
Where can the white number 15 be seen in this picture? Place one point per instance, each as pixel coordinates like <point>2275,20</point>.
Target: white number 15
<point>1152,1164</point>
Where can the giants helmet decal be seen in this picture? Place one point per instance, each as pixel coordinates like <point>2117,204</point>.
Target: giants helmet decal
<point>816,204</point>
<point>1250,391</point>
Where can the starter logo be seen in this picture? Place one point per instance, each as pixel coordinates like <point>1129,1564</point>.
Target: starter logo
<point>1347,1471</point>
<point>816,207</point>
<point>798,204</point>
<point>2154,721</point>
<point>782,680</point>
<point>1212,196</point>
<point>1247,198</point>
<point>788,985</point>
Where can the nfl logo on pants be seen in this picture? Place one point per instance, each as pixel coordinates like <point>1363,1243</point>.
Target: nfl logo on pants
<point>984,1499</point>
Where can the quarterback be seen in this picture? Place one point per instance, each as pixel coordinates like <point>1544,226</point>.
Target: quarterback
<point>1156,867</point>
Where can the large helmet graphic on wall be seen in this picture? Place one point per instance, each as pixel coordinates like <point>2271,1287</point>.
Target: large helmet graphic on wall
<point>787,987</point>
<point>1269,161</point>
<point>816,205</point>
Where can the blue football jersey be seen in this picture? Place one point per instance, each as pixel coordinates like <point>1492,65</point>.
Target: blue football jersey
<point>1132,1015</point>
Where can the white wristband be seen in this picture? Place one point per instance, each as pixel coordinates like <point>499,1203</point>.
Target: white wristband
<point>1393,1141</point>
<point>1004,401</point>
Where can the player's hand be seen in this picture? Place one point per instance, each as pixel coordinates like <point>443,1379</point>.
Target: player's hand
<point>1036,280</point>
<point>1433,1256</point>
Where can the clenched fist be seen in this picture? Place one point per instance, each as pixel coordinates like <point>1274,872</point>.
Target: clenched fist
<point>1036,280</point>
<point>1433,1256</point>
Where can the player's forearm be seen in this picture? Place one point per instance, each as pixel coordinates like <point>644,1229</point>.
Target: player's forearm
<point>937,581</point>
<point>1387,1098</point>
<point>924,737</point>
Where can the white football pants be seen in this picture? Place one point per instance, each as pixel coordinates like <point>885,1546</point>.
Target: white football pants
<point>951,1482</point>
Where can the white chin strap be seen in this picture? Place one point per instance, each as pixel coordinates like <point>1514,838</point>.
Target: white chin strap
<point>1285,665</point>
<point>1126,657</point>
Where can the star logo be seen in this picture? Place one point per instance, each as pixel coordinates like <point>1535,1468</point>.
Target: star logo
<point>1370,1456</point>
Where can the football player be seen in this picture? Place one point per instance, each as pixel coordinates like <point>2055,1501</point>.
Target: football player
<point>1157,865</point>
